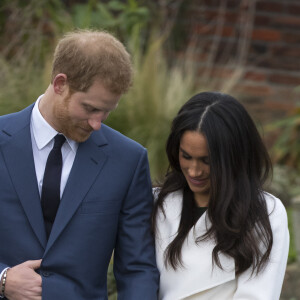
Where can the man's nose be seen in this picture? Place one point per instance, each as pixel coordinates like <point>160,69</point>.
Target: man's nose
<point>95,123</point>
<point>96,120</point>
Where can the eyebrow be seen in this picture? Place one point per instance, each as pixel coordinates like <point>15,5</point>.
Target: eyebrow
<point>99,109</point>
<point>186,153</point>
<point>183,151</point>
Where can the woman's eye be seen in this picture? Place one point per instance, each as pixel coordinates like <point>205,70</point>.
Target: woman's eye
<point>206,160</point>
<point>186,156</point>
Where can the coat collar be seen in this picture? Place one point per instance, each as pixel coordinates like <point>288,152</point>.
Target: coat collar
<point>198,273</point>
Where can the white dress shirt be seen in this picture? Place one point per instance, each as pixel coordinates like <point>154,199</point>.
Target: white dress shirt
<point>42,138</point>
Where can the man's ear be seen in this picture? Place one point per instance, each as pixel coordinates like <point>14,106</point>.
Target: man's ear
<point>60,84</point>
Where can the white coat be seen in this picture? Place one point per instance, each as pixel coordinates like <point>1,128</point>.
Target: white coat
<point>199,279</point>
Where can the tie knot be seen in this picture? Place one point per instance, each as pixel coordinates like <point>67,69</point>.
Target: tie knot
<point>59,140</point>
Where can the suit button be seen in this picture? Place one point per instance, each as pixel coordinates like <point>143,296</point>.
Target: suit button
<point>46,274</point>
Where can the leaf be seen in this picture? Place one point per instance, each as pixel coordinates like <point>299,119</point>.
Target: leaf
<point>116,5</point>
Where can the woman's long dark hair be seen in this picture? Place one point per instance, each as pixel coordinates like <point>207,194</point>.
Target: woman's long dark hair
<point>239,166</point>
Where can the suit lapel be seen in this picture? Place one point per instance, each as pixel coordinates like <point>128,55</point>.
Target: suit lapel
<point>88,162</point>
<point>17,152</point>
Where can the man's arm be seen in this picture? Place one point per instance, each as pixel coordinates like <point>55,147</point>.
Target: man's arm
<point>22,282</point>
<point>134,258</point>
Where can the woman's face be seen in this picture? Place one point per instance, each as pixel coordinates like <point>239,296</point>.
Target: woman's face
<point>194,163</point>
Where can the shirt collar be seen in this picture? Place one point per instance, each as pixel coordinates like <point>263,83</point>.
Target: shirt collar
<point>43,132</point>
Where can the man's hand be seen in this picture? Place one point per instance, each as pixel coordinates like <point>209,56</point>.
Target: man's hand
<point>23,283</point>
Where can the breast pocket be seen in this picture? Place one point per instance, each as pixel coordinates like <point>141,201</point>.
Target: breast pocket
<point>99,207</point>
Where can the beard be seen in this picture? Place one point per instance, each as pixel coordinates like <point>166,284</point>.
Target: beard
<point>78,131</point>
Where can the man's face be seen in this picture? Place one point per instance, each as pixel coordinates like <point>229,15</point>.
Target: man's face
<point>79,114</point>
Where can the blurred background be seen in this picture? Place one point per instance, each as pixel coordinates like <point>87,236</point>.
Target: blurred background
<point>249,49</point>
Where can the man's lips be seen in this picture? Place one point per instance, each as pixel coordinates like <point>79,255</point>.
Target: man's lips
<point>87,130</point>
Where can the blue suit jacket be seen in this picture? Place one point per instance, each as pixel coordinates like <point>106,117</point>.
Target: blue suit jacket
<point>106,206</point>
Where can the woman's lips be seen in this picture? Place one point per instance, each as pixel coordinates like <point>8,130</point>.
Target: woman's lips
<point>198,182</point>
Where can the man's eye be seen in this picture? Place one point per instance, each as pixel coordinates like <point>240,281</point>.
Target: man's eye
<point>186,156</point>
<point>90,109</point>
<point>87,108</point>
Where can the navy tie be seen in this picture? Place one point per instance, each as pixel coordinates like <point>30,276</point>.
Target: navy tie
<point>51,183</point>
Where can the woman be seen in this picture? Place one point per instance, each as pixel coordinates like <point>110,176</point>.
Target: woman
<point>218,235</point>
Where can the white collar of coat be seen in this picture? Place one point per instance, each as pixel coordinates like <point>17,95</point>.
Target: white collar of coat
<point>199,273</point>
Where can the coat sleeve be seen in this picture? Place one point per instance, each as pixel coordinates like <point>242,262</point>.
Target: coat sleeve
<point>267,285</point>
<point>134,257</point>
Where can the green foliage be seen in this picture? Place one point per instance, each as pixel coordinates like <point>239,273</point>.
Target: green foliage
<point>286,149</point>
<point>292,251</point>
<point>117,16</point>
<point>29,31</point>
<point>145,113</point>
<point>30,28</point>
<point>113,296</point>
<point>285,183</point>
<point>19,87</point>
<point>285,153</point>
<point>27,37</point>
<point>111,283</point>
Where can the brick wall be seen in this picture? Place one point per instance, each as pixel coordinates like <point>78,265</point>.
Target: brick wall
<point>248,48</point>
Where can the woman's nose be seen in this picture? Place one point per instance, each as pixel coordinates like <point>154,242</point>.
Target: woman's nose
<point>195,171</point>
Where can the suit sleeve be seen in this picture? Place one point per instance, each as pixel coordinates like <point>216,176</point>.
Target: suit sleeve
<point>267,285</point>
<point>134,257</point>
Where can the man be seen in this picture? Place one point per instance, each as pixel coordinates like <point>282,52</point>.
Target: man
<point>54,249</point>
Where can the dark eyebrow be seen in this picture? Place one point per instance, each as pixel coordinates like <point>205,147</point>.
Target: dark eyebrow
<point>184,152</point>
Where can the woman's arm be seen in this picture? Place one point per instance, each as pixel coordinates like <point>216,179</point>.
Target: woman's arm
<point>268,283</point>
